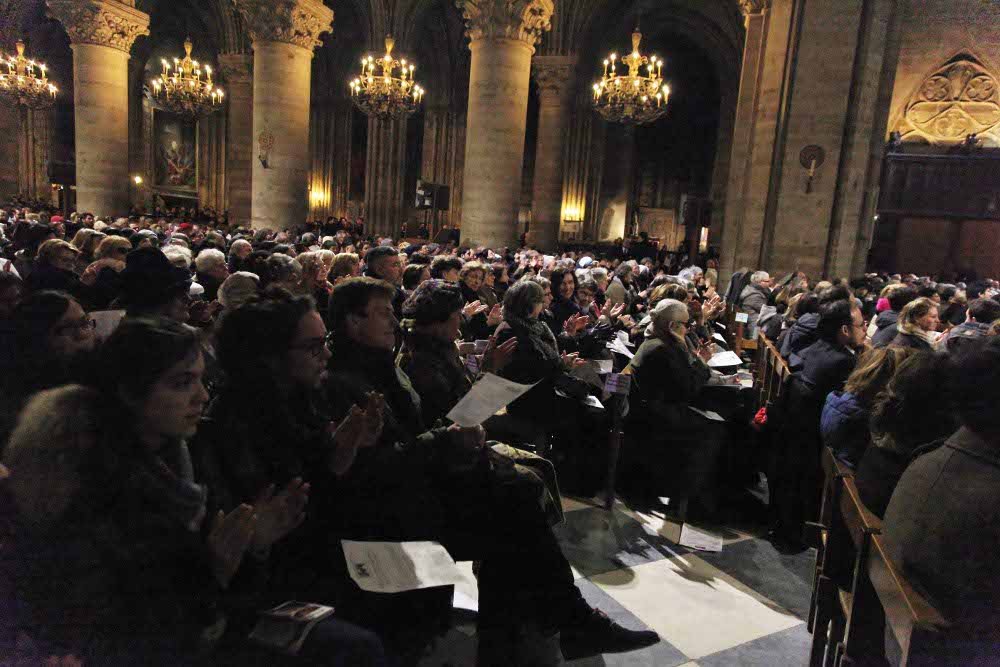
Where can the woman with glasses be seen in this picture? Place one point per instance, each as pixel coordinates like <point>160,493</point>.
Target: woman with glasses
<point>672,450</point>
<point>52,341</point>
<point>266,433</point>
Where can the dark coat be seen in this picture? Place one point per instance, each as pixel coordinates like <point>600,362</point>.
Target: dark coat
<point>911,341</point>
<point>942,528</point>
<point>844,426</point>
<point>823,367</point>
<point>965,336</point>
<point>48,277</point>
<point>885,325</point>
<point>801,335</point>
<point>118,580</point>
<point>666,379</point>
<point>437,373</point>
<point>537,359</point>
<point>562,310</point>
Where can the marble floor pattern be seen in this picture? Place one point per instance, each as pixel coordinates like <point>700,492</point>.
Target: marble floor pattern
<point>743,606</point>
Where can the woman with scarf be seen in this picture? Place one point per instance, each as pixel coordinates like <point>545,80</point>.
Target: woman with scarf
<point>664,435</point>
<point>918,323</point>
<point>134,563</point>
<point>416,484</point>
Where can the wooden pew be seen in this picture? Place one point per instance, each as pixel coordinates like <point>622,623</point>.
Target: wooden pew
<point>824,589</point>
<point>912,619</point>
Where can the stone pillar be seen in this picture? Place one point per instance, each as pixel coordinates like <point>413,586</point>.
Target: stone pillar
<point>101,33</point>
<point>554,76</point>
<point>284,34</point>
<point>385,173</point>
<point>503,35</point>
<point>237,72</point>
<point>740,162</point>
<point>33,153</point>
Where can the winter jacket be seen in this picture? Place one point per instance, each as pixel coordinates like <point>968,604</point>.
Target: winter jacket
<point>844,426</point>
<point>911,341</point>
<point>437,373</point>
<point>965,336</point>
<point>801,335</point>
<point>752,299</point>
<point>886,330</point>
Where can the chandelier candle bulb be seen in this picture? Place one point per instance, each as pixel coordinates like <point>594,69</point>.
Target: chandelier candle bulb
<point>385,95</point>
<point>632,104</point>
<point>26,81</point>
<point>183,91</point>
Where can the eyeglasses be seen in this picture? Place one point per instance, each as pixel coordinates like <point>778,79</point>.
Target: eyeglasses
<point>79,326</point>
<point>316,346</point>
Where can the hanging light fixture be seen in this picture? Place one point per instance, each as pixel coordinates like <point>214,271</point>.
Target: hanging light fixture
<point>181,89</point>
<point>382,94</point>
<point>632,98</point>
<point>26,82</point>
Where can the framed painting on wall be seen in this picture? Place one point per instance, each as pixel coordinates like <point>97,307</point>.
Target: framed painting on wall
<point>175,154</point>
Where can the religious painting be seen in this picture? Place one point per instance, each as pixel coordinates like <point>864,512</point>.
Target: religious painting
<point>175,152</point>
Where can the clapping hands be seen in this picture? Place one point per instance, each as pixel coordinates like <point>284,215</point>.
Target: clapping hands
<point>361,428</point>
<point>473,308</point>
<point>279,514</point>
<point>495,357</point>
<point>571,361</point>
<point>574,323</point>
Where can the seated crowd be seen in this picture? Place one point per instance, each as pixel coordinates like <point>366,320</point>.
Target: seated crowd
<point>267,394</point>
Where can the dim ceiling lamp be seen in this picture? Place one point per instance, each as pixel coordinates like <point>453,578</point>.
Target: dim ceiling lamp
<point>26,82</point>
<point>633,98</point>
<point>383,94</point>
<point>186,88</point>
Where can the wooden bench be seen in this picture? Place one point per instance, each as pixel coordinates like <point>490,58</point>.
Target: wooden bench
<point>770,372</point>
<point>914,622</point>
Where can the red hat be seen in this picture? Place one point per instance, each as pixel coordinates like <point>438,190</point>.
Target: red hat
<point>56,218</point>
<point>185,226</point>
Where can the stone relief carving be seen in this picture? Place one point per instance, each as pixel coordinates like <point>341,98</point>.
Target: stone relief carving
<point>236,67</point>
<point>553,74</point>
<point>111,24</point>
<point>958,99</point>
<point>298,22</point>
<point>525,20</point>
<point>754,6</point>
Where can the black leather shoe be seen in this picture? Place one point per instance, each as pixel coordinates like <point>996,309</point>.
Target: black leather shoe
<point>597,633</point>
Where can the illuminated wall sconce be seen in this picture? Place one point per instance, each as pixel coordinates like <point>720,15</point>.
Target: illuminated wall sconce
<point>137,180</point>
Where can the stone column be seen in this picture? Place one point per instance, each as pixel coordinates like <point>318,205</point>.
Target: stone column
<point>33,153</point>
<point>554,76</point>
<point>101,33</point>
<point>740,164</point>
<point>385,173</point>
<point>237,72</point>
<point>503,35</point>
<point>284,34</point>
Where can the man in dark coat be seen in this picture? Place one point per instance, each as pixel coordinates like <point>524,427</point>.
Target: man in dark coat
<point>821,368</point>
<point>943,522</point>
<point>982,313</point>
<point>886,321</point>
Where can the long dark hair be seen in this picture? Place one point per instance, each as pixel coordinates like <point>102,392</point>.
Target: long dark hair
<point>915,408</point>
<point>556,278</point>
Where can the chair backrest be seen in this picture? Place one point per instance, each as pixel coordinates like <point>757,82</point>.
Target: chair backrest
<point>858,519</point>
<point>912,619</point>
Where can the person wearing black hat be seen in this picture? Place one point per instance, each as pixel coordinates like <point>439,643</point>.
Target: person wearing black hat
<point>152,286</point>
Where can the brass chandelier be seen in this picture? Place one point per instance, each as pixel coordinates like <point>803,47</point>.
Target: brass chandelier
<point>633,98</point>
<point>182,90</point>
<point>26,82</point>
<point>383,94</point>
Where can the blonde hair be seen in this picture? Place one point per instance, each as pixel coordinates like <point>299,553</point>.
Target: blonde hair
<point>86,240</point>
<point>110,244</point>
<point>47,251</point>
<point>344,265</point>
<point>56,432</point>
<point>874,370</point>
<point>912,312</point>
<point>668,291</point>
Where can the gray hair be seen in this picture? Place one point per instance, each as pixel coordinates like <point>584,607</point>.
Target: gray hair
<point>179,255</point>
<point>284,268</point>
<point>208,259</point>
<point>239,243</point>
<point>758,277</point>
<point>521,298</point>
<point>238,288</point>
<point>665,313</point>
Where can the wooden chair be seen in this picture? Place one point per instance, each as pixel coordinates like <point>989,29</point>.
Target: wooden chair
<point>856,628</point>
<point>914,622</point>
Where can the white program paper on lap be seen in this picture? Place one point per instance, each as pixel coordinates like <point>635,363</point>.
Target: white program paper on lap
<point>722,359</point>
<point>485,399</point>
<point>394,567</point>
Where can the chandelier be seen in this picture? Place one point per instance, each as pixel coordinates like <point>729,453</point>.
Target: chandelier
<point>26,82</point>
<point>182,90</point>
<point>384,95</point>
<point>634,98</point>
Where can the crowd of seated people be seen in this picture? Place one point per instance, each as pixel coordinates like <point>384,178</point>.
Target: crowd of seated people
<point>268,393</point>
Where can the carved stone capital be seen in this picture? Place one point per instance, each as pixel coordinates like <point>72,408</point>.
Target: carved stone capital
<point>236,68</point>
<point>111,23</point>
<point>524,20</point>
<point>553,75</point>
<point>298,22</point>
<point>749,7</point>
